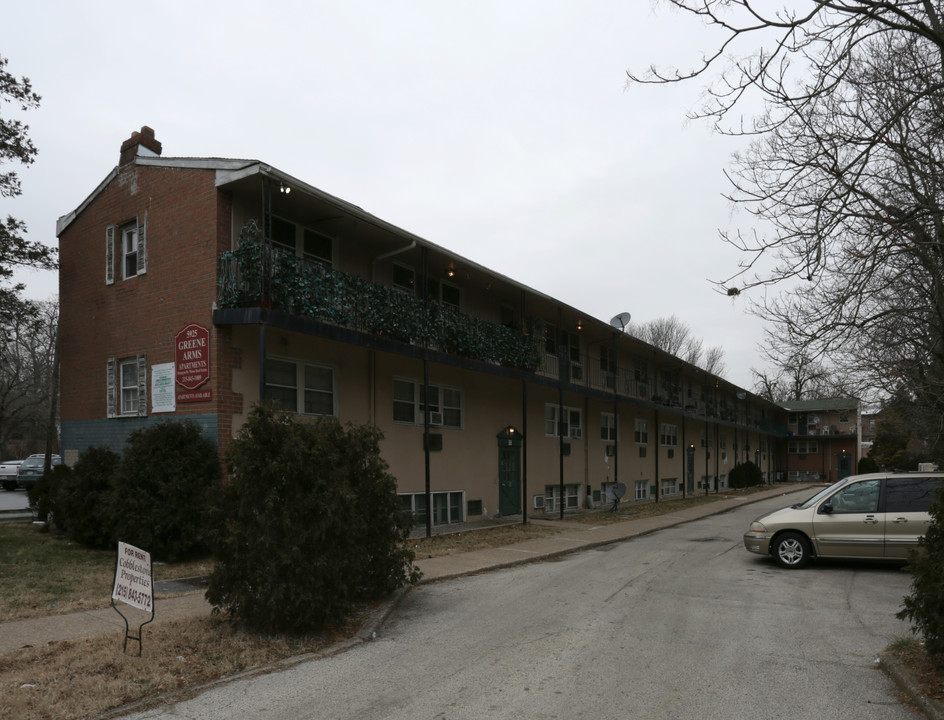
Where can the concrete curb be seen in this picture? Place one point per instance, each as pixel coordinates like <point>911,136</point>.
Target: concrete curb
<point>891,666</point>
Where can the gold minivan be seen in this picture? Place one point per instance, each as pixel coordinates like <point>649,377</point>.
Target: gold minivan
<point>877,517</point>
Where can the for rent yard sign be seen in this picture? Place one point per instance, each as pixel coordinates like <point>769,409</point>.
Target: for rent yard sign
<point>133,578</point>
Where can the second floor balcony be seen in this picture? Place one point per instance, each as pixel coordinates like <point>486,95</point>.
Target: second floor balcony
<point>258,274</point>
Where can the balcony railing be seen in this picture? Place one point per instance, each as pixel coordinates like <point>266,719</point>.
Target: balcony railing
<point>258,275</point>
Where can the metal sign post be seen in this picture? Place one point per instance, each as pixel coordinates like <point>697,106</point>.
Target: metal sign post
<point>134,585</point>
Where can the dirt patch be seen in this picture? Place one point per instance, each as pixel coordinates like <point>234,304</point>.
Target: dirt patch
<point>85,678</point>
<point>480,539</point>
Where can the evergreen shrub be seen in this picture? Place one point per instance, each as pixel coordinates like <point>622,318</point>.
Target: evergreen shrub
<point>163,486</point>
<point>746,474</point>
<point>867,465</point>
<point>924,606</point>
<point>84,497</point>
<point>309,525</point>
<point>43,497</point>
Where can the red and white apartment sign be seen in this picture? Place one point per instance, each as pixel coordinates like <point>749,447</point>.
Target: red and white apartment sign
<point>192,360</point>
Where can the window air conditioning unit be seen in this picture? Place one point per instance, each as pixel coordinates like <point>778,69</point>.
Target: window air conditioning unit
<point>538,502</point>
<point>436,418</point>
<point>575,433</point>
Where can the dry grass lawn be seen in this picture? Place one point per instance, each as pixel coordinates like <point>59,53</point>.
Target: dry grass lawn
<point>461,542</point>
<point>85,678</point>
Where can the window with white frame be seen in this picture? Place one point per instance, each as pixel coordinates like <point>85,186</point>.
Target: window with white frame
<point>409,404</point>
<point>404,401</point>
<point>447,506</point>
<point>669,487</point>
<point>127,386</point>
<point>283,234</point>
<point>443,292</point>
<point>642,489</point>
<point>669,434</point>
<point>572,344</point>
<point>641,432</point>
<point>302,242</point>
<point>570,427</point>
<point>608,430</point>
<point>126,247</point>
<point>300,387</point>
<point>802,447</point>
<point>318,247</point>
<point>129,251</point>
<point>552,497</point>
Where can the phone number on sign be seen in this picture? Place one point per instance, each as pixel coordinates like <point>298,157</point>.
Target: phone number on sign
<point>134,597</point>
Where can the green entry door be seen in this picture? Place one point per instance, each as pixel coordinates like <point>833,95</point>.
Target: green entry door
<point>844,466</point>
<point>509,472</point>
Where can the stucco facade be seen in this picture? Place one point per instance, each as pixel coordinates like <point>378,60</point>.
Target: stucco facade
<point>327,310</point>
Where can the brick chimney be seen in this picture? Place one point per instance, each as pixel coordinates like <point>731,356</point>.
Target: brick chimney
<point>140,143</point>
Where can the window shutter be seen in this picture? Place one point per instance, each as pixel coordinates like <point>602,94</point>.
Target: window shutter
<point>112,387</point>
<point>142,385</point>
<point>142,245</point>
<point>110,255</point>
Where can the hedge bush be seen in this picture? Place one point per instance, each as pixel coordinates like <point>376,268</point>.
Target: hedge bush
<point>162,490</point>
<point>83,499</point>
<point>924,607</point>
<point>746,474</point>
<point>867,465</point>
<point>43,497</point>
<point>309,525</point>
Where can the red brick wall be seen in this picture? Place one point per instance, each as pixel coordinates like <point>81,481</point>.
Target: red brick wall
<point>188,226</point>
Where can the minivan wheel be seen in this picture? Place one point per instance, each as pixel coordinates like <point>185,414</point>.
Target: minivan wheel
<point>791,550</point>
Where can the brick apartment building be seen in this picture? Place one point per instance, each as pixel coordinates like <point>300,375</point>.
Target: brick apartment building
<point>196,287</point>
<point>824,439</point>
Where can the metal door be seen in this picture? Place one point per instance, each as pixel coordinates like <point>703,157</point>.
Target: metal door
<point>843,466</point>
<point>509,480</point>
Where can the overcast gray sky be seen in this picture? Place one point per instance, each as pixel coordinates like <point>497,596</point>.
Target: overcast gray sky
<point>501,130</point>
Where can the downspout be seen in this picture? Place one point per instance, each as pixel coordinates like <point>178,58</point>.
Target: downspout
<point>658,430</point>
<point>429,503</point>
<point>560,408</point>
<point>524,431</point>
<point>264,284</point>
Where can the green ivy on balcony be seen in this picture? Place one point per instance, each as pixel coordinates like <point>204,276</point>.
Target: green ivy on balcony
<point>257,274</point>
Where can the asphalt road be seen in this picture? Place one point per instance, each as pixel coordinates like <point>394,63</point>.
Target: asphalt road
<point>681,624</point>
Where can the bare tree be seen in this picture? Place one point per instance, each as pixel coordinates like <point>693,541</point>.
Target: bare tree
<point>26,367</point>
<point>713,361</point>
<point>673,336</point>
<point>844,177</point>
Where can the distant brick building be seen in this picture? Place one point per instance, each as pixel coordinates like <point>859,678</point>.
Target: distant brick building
<point>824,439</point>
<point>196,287</point>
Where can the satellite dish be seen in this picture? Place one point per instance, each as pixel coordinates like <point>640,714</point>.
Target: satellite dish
<point>615,491</point>
<point>621,321</point>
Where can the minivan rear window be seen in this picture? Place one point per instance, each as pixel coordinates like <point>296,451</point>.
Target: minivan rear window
<point>906,494</point>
